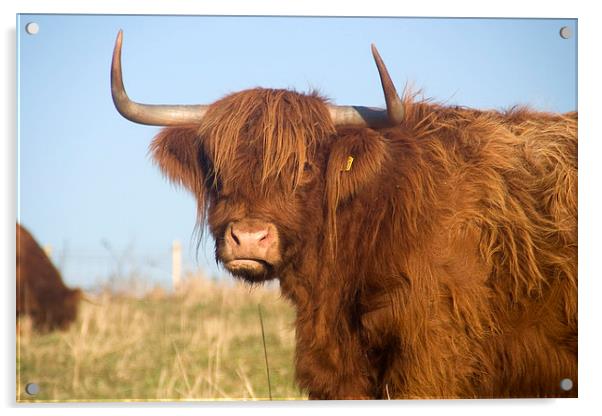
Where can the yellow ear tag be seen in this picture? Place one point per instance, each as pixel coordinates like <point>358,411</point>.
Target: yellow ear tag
<point>349,163</point>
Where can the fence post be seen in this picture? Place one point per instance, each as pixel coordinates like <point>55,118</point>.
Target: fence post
<point>176,264</point>
<point>47,250</point>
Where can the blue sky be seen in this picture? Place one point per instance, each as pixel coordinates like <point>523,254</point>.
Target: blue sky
<point>84,173</point>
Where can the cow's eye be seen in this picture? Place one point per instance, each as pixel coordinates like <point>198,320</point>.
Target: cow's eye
<point>309,169</point>
<point>309,173</point>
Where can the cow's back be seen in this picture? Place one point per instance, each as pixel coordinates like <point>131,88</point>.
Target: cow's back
<point>517,184</point>
<point>492,274</point>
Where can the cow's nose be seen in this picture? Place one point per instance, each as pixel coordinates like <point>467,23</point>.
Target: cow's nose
<point>244,234</point>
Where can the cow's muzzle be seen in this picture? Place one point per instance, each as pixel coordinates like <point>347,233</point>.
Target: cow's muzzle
<point>251,249</point>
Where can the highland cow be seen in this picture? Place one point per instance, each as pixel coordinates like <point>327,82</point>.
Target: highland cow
<point>429,251</point>
<point>41,293</point>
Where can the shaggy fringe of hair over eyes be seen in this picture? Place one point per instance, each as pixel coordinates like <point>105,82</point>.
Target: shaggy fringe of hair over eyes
<point>286,126</point>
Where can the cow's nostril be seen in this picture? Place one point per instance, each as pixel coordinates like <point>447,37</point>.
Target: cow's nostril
<point>234,236</point>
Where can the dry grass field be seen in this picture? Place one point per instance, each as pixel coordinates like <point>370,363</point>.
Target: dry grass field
<point>203,342</point>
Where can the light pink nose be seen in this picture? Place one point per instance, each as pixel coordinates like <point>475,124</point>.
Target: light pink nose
<point>249,235</point>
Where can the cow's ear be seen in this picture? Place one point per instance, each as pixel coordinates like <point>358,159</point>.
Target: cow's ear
<point>356,160</point>
<point>177,152</point>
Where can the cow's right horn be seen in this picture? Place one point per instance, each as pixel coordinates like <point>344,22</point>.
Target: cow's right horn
<point>150,114</point>
<point>368,116</point>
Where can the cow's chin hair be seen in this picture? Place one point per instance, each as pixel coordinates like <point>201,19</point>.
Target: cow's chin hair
<point>251,271</point>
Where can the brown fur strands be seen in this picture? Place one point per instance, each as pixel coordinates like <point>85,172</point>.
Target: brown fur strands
<point>455,234</point>
<point>524,165</point>
<point>41,292</point>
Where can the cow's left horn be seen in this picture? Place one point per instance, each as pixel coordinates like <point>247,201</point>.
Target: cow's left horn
<point>373,117</point>
<point>154,115</point>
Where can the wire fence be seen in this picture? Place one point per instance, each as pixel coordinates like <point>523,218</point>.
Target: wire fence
<point>123,270</point>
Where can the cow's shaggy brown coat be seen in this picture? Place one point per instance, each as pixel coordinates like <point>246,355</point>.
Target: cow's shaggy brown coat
<point>41,292</point>
<point>443,264</point>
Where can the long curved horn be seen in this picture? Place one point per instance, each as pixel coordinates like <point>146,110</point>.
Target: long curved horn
<point>150,114</point>
<point>372,117</point>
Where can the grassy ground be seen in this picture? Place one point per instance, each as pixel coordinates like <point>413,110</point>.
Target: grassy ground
<point>204,342</point>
